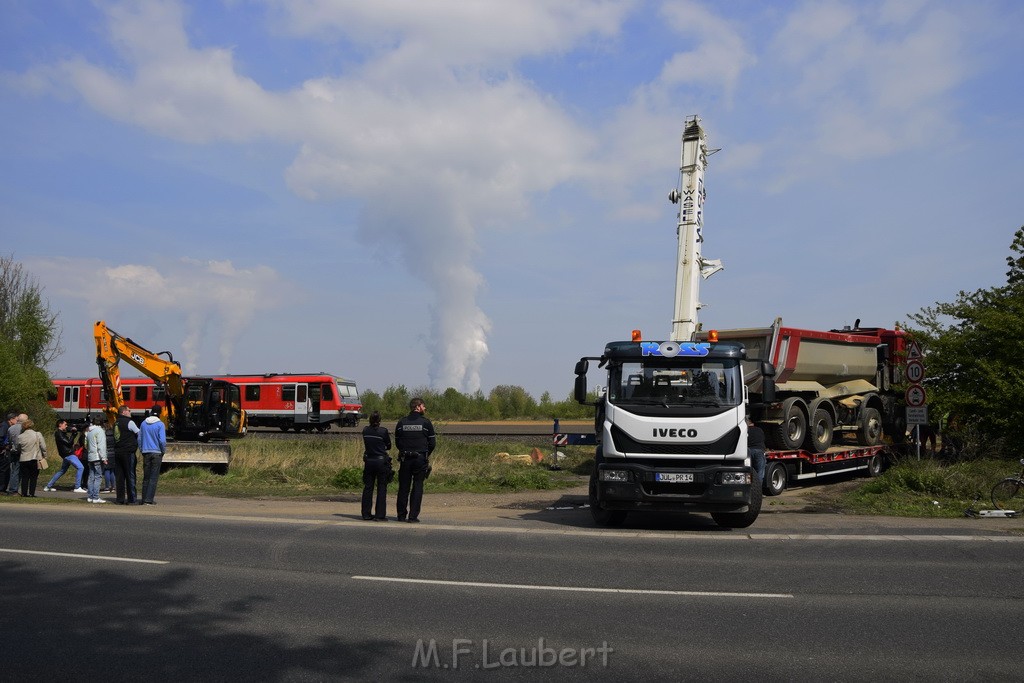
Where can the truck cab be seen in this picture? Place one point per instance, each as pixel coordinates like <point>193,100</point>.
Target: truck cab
<point>671,431</point>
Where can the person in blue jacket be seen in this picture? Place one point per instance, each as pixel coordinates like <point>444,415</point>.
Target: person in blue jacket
<point>153,445</point>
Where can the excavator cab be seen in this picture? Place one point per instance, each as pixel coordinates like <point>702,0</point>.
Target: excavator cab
<point>212,409</point>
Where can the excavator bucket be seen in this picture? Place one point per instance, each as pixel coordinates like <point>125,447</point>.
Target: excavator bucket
<point>216,455</point>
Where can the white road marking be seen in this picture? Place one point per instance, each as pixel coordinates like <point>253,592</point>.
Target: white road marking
<point>83,557</point>
<point>575,589</point>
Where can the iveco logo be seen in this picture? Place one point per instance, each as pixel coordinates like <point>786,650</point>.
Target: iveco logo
<point>675,433</point>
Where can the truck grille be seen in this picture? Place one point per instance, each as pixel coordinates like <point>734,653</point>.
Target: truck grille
<point>625,444</point>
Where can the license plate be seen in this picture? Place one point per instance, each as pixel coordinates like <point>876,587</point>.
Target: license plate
<point>674,477</point>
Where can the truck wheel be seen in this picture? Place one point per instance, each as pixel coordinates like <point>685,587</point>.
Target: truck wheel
<point>775,478</point>
<point>819,431</point>
<point>601,516</point>
<point>875,465</point>
<point>790,434</point>
<point>870,432</point>
<point>741,520</point>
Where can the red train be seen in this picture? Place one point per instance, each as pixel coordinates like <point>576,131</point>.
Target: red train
<point>303,402</point>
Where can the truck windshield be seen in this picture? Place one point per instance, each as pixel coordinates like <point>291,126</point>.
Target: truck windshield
<point>711,383</point>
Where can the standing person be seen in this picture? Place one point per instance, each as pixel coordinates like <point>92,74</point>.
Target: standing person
<point>31,448</point>
<point>108,466</point>
<point>96,456</point>
<point>153,444</point>
<point>755,449</point>
<point>13,456</point>
<point>66,450</point>
<point>126,443</point>
<point>376,468</point>
<point>415,439</point>
<point>5,447</point>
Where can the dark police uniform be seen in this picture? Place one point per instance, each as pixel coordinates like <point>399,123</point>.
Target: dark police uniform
<point>376,466</point>
<point>415,439</point>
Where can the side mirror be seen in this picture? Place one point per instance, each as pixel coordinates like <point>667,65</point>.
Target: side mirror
<point>582,367</point>
<point>580,388</point>
<point>767,382</point>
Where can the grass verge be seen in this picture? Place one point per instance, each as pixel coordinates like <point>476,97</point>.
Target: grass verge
<point>309,467</point>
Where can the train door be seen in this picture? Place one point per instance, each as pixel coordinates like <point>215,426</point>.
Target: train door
<point>71,408</point>
<point>315,398</point>
<point>302,404</point>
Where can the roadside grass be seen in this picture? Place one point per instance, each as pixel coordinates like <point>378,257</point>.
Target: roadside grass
<point>929,488</point>
<point>282,467</point>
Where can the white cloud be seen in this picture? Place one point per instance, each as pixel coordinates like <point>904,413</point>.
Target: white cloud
<point>207,294</point>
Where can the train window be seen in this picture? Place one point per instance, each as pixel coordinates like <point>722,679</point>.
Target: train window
<point>288,392</point>
<point>159,394</point>
<point>141,393</point>
<point>300,393</point>
<point>326,394</point>
<point>51,393</point>
<point>252,392</point>
<point>126,394</point>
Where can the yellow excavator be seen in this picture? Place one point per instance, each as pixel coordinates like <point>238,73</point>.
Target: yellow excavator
<point>199,412</point>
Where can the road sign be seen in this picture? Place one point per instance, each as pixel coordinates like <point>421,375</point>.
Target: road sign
<point>915,371</point>
<point>914,351</point>
<point>917,416</point>
<point>915,396</point>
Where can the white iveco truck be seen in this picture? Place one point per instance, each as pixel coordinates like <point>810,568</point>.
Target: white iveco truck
<point>671,425</point>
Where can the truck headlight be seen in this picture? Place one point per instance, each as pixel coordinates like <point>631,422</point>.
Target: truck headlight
<point>736,478</point>
<point>614,475</point>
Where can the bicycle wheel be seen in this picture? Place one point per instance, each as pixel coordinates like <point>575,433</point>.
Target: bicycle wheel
<point>1008,494</point>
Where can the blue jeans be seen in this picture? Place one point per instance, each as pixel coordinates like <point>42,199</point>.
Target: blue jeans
<point>71,460</point>
<point>15,479</point>
<point>757,461</point>
<point>124,469</point>
<point>150,474</point>
<point>95,478</point>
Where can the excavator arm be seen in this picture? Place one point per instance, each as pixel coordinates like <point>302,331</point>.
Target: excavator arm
<point>112,348</point>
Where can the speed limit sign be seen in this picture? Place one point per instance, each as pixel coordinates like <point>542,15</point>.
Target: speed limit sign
<point>915,371</point>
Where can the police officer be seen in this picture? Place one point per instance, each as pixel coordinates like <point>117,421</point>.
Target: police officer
<point>376,468</point>
<point>415,439</point>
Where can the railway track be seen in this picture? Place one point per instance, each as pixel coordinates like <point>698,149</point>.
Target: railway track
<point>467,431</point>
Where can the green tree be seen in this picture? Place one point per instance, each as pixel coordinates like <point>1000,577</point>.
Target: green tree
<point>29,341</point>
<point>973,351</point>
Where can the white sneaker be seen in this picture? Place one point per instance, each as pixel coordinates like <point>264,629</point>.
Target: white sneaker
<point>47,488</point>
<point>80,490</point>
<point>99,500</point>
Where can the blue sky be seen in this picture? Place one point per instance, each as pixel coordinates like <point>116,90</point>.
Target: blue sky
<point>470,193</point>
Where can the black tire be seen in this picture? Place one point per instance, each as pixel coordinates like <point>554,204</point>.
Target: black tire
<point>220,468</point>
<point>283,428</point>
<point>601,516</point>
<point>789,435</point>
<point>1008,494</point>
<point>776,478</point>
<point>819,431</point>
<point>741,520</point>
<point>875,466</point>
<point>869,432</point>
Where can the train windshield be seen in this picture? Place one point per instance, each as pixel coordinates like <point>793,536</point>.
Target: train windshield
<point>348,390</point>
<point>710,383</point>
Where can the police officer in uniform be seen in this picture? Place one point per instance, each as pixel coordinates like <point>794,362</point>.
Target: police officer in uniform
<point>415,439</point>
<point>376,468</point>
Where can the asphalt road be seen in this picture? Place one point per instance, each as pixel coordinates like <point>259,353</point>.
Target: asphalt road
<point>194,593</point>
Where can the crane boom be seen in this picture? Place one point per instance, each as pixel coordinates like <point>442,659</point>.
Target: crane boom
<point>690,265</point>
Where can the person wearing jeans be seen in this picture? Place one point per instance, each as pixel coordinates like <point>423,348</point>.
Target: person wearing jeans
<point>65,448</point>
<point>153,444</point>
<point>96,448</point>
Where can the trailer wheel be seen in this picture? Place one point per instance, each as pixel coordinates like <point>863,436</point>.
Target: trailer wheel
<point>875,465</point>
<point>775,478</point>
<point>819,431</point>
<point>790,434</point>
<point>741,520</point>
<point>601,516</point>
<point>870,432</point>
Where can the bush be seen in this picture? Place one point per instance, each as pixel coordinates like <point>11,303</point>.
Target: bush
<point>348,478</point>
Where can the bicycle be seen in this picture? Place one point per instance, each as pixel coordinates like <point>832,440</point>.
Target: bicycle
<point>1009,493</point>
